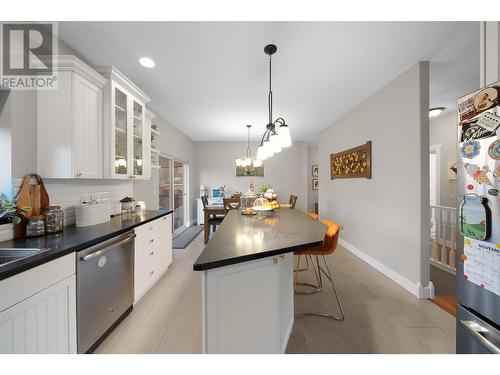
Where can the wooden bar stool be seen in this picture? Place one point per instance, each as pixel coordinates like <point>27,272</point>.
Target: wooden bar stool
<point>328,247</point>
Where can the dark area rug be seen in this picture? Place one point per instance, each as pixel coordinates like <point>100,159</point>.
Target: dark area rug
<point>182,240</point>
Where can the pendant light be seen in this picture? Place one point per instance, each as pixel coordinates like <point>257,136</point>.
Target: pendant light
<point>277,134</point>
<point>247,161</point>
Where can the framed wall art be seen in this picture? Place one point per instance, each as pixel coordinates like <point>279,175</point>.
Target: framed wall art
<point>353,163</point>
<point>315,184</point>
<point>315,171</point>
<point>250,171</point>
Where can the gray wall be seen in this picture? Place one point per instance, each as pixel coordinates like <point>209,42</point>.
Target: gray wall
<point>443,131</point>
<point>312,159</point>
<point>384,217</point>
<point>285,171</point>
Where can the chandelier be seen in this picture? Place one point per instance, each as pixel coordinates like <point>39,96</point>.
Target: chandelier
<point>247,162</point>
<point>277,134</point>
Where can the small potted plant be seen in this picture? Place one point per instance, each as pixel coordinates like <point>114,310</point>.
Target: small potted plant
<point>127,203</point>
<point>10,211</point>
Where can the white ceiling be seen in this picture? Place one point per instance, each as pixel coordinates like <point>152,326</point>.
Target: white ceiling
<point>211,78</point>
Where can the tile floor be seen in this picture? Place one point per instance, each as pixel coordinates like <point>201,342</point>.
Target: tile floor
<point>381,317</point>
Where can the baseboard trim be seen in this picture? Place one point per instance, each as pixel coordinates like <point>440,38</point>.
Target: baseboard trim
<point>417,289</point>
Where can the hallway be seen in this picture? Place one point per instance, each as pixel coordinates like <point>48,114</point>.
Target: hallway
<point>381,317</point>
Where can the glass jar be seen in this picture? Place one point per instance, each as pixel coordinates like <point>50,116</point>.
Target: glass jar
<point>35,226</point>
<point>54,219</point>
<point>247,200</point>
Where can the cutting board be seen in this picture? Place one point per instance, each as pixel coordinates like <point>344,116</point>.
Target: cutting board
<point>33,194</point>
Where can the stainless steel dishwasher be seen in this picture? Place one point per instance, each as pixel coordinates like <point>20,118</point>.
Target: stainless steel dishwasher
<point>105,288</point>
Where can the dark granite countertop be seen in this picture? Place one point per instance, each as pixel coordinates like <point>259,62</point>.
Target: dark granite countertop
<point>242,238</point>
<point>72,239</point>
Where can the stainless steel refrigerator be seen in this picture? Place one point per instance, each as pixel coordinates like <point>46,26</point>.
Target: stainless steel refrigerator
<point>478,211</point>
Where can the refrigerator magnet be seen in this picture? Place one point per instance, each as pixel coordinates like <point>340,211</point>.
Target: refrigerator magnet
<point>489,121</point>
<point>494,150</point>
<point>475,217</point>
<point>470,149</point>
<point>471,130</point>
<point>477,174</point>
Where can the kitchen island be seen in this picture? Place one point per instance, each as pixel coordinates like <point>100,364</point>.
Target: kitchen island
<point>247,281</point>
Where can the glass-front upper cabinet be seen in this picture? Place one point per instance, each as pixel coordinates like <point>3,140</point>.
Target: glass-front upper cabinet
<point>127,143</point>
<point>138,137</point>
<point>120,133</point>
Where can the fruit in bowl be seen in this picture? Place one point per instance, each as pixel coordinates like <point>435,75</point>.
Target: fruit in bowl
<point>274,205</point>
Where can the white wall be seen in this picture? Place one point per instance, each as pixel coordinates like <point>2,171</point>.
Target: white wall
<point>443,131</point>
<point>312,195</point>
<point>384,217</point>
<point>286,171</point>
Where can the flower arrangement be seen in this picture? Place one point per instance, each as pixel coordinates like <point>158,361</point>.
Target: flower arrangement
<point>10,211</point>
<point>265,187</point>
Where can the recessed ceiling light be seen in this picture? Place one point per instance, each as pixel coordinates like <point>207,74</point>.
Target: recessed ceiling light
<point>436,111</point>
<point>147,62</point>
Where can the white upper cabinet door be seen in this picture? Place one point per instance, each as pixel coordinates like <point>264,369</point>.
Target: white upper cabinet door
<point>69,123</point>
<point>126,146</point>
<point>87,128</point>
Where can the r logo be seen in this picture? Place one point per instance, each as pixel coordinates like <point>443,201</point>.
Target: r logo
<point>27,49</point>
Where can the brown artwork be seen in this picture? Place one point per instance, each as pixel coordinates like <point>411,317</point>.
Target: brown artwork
<point>352,163</point>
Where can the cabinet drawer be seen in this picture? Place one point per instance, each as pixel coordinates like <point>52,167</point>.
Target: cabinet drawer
<point>145,230</point>
<point>25,284</point>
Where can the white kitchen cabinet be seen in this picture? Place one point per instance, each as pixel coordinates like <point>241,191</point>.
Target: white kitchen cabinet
<point>69,123</point>
<point>153,253</point>
<point>248,307</point>
<point>127,138</point>
<point>38,313</point>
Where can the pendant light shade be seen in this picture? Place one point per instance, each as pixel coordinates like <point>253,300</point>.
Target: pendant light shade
<point>284,136</point>
<point>238,162</point>
<point>261,153</point>
<point>275,143</point>
<point>257,163</point>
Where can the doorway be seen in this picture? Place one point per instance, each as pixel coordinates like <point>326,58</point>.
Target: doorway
<point>173,191</point>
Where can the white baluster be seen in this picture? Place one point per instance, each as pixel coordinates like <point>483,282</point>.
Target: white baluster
<point>438,233</point>
<point>433,232</point>
<point>444,258</point>
<point>451,261</point>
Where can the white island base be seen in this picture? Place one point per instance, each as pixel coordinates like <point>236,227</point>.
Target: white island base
<point>248,307</point>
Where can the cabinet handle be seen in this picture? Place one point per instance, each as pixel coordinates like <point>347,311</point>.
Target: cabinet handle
<point>151,253</point>
<point>79,174</point>
<point>150,228</point>
<point>151,273</point>
<point>151,240</point>
<point>282,256</point>
<point>275,260</point>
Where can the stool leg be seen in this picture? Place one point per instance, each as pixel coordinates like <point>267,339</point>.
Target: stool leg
<point>302,269</point>
<point>328,275</point>
<point>316,288</point>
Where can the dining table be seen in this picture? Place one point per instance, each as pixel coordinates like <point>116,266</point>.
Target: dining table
<point>215,209</point>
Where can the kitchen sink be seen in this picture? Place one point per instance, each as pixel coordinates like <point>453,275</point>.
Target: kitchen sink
<point>8,255</point>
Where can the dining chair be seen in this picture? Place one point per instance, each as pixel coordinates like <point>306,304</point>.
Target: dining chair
<point>213,220</point>
<point>232,204</point>
<point>293,201</point>
<point>314,254</point>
